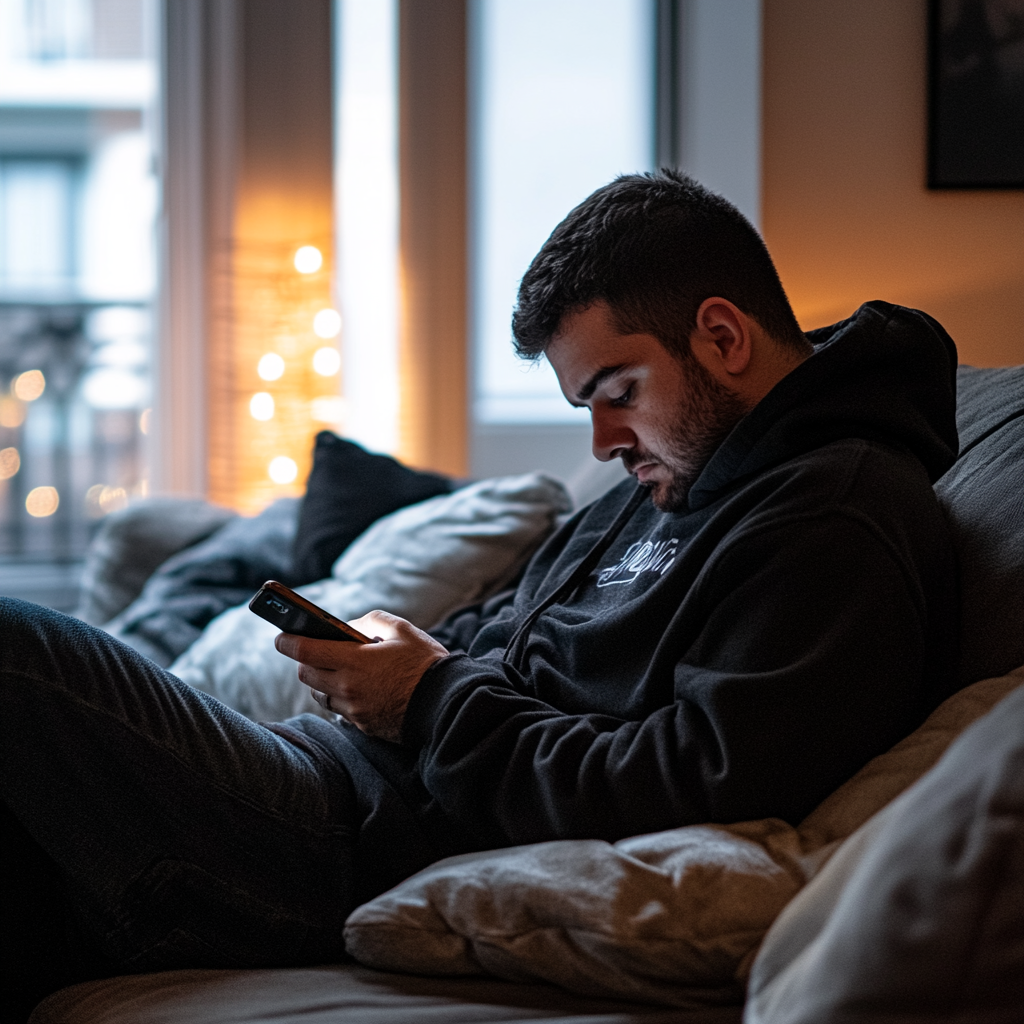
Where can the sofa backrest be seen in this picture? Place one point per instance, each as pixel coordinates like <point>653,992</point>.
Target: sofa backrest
<point>983,495</point>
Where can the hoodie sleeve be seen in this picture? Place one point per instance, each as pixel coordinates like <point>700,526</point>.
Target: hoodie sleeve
<point>808,663</point>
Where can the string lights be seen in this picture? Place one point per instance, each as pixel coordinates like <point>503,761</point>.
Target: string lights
<point>275,383</point>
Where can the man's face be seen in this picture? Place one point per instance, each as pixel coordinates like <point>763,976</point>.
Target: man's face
<point>663,416</point>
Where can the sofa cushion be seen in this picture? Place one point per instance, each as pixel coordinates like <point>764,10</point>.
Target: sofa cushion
<point>131,543</point>
<point>197,584</point>
<point>919,915</point>
<point>674,917</point>
<point>983,495</point>
<point>421,562</point>
<point>340,995</point>
<point>348,489</point>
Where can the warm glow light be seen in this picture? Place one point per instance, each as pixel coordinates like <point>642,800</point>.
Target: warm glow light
<point>261,406</point>
<point>12,412</point>
<point>28,386</point>
<point>327,361</point>
<point>282,470</point>
<point>328,409</point>
<point>42,501</point>
<point>327,323</point>
<point>10,463</point>
<point>270,366</point>
<point>144,417</point>
<point>308,259</point>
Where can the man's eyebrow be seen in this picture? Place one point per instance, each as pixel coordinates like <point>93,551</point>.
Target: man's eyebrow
<point>599,378</point>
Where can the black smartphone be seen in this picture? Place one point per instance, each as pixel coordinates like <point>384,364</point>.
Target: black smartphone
<point>292,613</point>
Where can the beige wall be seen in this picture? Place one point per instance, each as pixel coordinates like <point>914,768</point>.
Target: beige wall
<point>845,210</point>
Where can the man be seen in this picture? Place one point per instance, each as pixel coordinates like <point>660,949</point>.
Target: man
<point>731,639</point>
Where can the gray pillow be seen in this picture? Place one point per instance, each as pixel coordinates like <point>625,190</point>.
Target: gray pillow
<point>983,495</point>
<point>421,562</point>
<point>195,585</point>
<point>920,914</point>
<point>130,544</point>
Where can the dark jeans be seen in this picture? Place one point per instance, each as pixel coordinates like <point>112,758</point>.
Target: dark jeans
<point>147,827</point>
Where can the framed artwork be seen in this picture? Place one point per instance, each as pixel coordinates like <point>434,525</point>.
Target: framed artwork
<point>976,94</point>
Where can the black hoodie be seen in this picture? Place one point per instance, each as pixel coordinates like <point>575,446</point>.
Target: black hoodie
<point>737,660</point>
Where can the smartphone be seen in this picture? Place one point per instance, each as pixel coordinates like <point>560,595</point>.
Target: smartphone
<point>292,613</point>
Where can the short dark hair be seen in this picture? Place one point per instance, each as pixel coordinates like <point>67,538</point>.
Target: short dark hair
<point>654,246</point>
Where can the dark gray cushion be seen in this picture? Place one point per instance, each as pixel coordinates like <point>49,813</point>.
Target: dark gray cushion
<point>983,495</point>
<point>130,544</point>
<point>197,584</point>
<point>920,915</point>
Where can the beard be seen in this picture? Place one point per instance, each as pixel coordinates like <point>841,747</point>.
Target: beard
<point>707,415</point>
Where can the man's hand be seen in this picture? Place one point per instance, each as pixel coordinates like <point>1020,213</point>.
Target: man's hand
<point>369,684</point>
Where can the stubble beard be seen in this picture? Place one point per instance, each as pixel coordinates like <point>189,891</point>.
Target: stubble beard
<point>706,417</point>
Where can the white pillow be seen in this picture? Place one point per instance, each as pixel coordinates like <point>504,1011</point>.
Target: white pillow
<point>674,917</point>
<point>421,562</point>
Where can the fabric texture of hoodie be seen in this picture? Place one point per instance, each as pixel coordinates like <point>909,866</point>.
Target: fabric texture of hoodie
<point>735,660</point>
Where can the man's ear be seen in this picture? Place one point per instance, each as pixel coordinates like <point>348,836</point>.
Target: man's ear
<point>721,339</point>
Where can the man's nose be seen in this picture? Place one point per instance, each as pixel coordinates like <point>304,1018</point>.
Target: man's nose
<point>611,438</point>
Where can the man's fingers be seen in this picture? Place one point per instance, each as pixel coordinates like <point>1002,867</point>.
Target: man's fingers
<point>323,653</point>
<point>320,678</point>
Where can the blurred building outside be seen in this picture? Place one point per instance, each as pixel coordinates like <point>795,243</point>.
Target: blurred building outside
<point>78,200</point>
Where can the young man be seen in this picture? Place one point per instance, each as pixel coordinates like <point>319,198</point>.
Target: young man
<point>769,605</point>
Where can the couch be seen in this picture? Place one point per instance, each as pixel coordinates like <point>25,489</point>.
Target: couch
<point>901,898</point>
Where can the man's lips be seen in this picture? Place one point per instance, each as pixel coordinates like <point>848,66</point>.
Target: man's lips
<point>645,471</point>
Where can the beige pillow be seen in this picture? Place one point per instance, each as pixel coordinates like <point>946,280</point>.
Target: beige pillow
<point>674,917</point>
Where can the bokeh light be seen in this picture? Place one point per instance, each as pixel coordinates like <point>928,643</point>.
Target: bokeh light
<point>10,463</point>
<point>308,259</point>
<point>327,323</point>
<point>12,412</point>
<point>261,406</point>
<point>144,420</point>
<point>42,502</point>
<point>270,366</point>
<point>282,470</point>
<point>28,386</point>
<point>327,361</point>
<point>102,499</point>
<point>112,499</point>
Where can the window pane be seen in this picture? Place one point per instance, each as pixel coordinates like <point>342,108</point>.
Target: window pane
<point>367,205</point>
<point>78,199</point>
<point>563,104</point>
<point>36,216</point>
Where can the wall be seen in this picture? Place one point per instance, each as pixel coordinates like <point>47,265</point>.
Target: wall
<point>845,210</point>
<point>432,160</point>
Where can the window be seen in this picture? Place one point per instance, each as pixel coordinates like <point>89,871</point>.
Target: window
<point>563,103</point>
<point>367,210</point>
<point>37,224</point>
<point>77,271</point>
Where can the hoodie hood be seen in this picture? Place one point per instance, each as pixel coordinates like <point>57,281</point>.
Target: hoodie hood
<point>887,374</point>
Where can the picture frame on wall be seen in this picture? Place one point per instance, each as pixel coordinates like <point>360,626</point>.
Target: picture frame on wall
<point>976,94</point>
